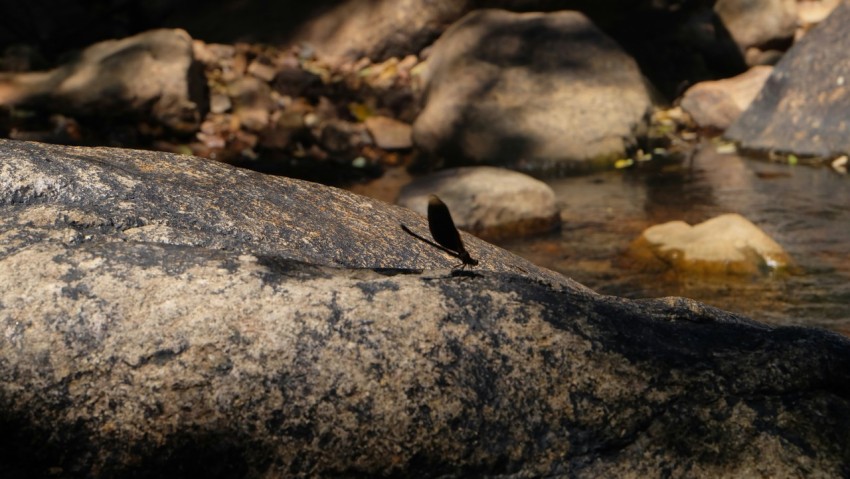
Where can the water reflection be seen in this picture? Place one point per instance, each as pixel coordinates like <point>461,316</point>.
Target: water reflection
<point>805,209</point>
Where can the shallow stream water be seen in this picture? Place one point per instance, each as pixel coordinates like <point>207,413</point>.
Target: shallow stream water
<point>803,208</point>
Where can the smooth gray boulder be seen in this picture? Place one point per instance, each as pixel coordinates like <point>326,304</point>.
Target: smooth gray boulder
<point>804,105</point>
<point>530,91</point>
<point>159,321</point>
<point>492,203</point>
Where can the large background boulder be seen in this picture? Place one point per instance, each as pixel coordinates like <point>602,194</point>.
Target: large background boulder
<point>536,91</point>
<point>804,105</point>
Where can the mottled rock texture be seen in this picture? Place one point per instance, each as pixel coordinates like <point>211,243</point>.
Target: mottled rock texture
<point>149,75</point>
<point>530,91</point>
<point>155,323</point>
<point>804,105</point>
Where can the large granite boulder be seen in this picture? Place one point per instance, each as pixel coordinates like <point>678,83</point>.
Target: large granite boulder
<point>530,91</point>
<point>159,320</point>
<point>151,75</point>
<point>804,105</point>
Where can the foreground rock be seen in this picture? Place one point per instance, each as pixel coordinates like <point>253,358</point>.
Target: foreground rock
<point>726,244</point>
<point>150,75</point>
<point>534,91</point>
<point>488,202</point>
<point>198,348</point>
<point>804,104</point>
<point>714,105</point>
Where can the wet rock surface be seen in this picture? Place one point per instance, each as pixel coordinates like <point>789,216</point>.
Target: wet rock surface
<point>159,321</point>
<point>802,108</point>
<point>726,244</point>
<point>530,91</point>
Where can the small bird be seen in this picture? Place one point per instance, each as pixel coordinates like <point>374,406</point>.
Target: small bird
<point>444,232</point>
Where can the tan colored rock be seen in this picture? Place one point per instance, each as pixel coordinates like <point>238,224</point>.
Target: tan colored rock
<point>717,104</point>
<point>753,23</point>
<point>726,244</point>
<point>389,133</point>
<point>489,202</point>
<point>379,29</point>
<point>251,102</point>
<point>262,71</point>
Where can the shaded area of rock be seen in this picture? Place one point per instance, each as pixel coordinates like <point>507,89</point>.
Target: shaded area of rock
<point>726,244</point>
<point>489,202</point>
<point>759,27</point>
<point>537,91</point>
<point>717,104</point>
<point>151,74</point>
<point>380,29</point>
<point>804,104</point>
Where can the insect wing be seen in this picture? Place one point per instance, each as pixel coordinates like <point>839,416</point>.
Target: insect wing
<point>442,226</point>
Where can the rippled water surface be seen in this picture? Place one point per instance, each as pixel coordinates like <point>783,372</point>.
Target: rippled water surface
<point>805,209</point>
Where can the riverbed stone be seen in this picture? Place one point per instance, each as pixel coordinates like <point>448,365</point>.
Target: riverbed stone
<point>489,202</point>
<point>389,133</point>
<point>758,23</point>
<point>533,90</point>
<point>725,244</point>
<point>714,105</point>
<point>152,74</point>
<point>379,29</point>
<point>804,105</point>
<point>166,316</point>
